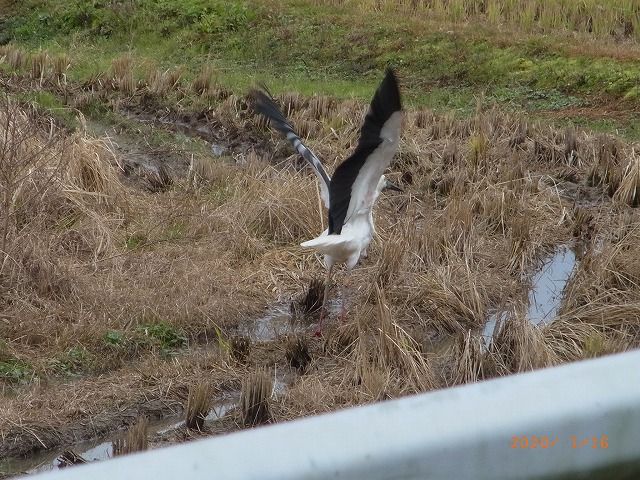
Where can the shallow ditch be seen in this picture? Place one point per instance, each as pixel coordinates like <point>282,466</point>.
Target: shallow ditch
<point>160,433</point>
<point>279,320</point>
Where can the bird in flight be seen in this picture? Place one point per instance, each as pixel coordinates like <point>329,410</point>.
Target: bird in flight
<point>351,192</point>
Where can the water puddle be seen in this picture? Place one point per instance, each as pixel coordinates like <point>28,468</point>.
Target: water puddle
<point>160,433</point>
<point>490,326</point>
<point>276,322</point>
<point>546,293</point>
<point>279,320</point>
<point>548,286</point>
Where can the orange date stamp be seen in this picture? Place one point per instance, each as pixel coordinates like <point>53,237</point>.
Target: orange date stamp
<point>550,441</point>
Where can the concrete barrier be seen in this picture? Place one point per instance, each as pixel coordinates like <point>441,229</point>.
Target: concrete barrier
<point>559,422</point>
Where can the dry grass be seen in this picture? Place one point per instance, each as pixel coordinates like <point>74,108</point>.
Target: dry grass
<point>254,399</point>
<point>205,82</point>
<point>135,440</point>
<point>149,285</point>
<point>519,346</point>
<point>122,74</point>
<point>471,364</point>
<point>297,353</point>
<point>198,405</point>
<point>629,190</point>
<point>161,82</point>
<point>310,300</point>
<point>614,18</point>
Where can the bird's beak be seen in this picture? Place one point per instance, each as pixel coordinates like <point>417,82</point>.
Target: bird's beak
<point>393,186</point>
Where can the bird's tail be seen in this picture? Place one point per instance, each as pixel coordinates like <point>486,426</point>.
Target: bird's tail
<point>325,243</point>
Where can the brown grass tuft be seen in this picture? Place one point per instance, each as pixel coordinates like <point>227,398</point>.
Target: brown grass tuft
<point>122,75</point>
<point>240,348</point>
<point>297,353</point>
<point>321,107</point>
<point>205,82</point>
<point>470,359</point>
<point>519,346</point>
<point>17,58</point>
<point>629,191</point>
<point>161,82</point>
<point>280,211</point>
<point>605,168</point>
<point>254,399</point>
<point>59,65</point>
<point>383,344</point>
<point>198,406</point>
<point>135,440</point>
<point>39,63</point>
<point>310,301</point>
<point>391,261</point>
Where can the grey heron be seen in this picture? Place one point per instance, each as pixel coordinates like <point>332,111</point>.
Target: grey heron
<point>356,183</point>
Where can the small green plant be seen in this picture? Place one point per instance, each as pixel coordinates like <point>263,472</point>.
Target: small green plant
<point>135,240</point>
<point>14,371</point>
<point>73,362</point>
<point>175,231</point>
<point>162,335</point>
<point>225,17</point>
<point>113,338</point>
<point>595,345</point>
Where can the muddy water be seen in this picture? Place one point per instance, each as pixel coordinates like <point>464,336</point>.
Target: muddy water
<point>102,448</point>
<point>279,320</point>
<point>160,433</point>
<point>276,321</point>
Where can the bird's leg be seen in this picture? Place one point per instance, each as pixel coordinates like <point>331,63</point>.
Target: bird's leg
<point>343,299</point>
<point>323,309</point>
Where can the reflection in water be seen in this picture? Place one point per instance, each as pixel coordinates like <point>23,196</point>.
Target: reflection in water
<point>546,292</point>
<point>548,285</point>
<point>490,326</point>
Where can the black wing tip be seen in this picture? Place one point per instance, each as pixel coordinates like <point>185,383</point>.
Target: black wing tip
<point>390,89</point>
<point>262,103</point>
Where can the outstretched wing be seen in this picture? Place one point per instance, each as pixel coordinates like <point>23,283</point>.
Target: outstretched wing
<point>267,107</point>
<point>354,182</point>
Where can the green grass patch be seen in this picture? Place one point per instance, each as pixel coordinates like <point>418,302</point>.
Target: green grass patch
<point>15,371</point>
<point>49,103</point>
<point>303,45</point>
<point>335,50</point>
<point>135,240</point>
<point>164,336</point>
<point>73,362</point>
<point>161,337</point>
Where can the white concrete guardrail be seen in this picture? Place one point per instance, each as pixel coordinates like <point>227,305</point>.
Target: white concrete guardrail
<point>562,422</point>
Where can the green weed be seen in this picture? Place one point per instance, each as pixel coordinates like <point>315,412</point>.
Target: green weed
<point>74,361</point>
<point>167,338</point>
<point>114,338</point>
<point>15,371</point>
<point>135,240</point>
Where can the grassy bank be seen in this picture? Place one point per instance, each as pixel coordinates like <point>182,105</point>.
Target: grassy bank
<point>339,48</point>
